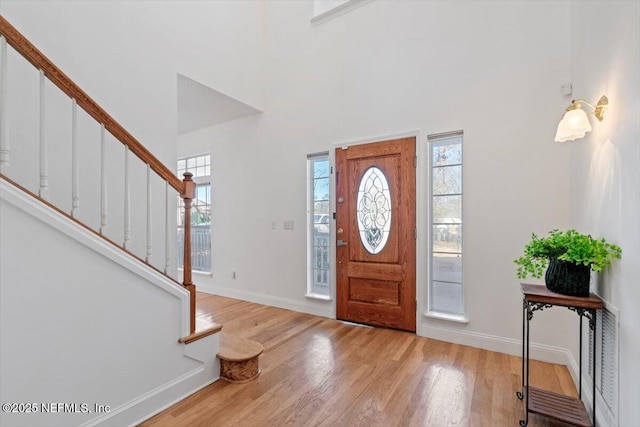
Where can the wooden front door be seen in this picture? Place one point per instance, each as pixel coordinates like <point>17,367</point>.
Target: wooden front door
<point>376,226</point>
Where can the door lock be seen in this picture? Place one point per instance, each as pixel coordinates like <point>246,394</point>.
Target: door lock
<point>341,243</point>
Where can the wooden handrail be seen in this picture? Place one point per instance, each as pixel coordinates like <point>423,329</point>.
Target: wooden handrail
<point>186,187</point>
<point>25,48</point>
<point>194,336</point>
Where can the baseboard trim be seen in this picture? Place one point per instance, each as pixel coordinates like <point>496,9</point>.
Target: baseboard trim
<point>541,352</point>
<point>317,308</point>
<point>545,353</point>
<point>499,344</point>
<point>153,402</point>
<point>143,398</point>
<point>175,401</point>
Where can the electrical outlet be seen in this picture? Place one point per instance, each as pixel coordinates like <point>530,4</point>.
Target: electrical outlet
<point>289,225</point>
<point>274,225</point>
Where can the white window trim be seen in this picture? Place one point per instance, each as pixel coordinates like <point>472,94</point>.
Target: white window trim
<point>207,177</point>
<point>446,316</point>
<point>319,296</point>
<point>310,228</point>
<point>428,312</point>
<point>202,180</point>
<point>198,272</point>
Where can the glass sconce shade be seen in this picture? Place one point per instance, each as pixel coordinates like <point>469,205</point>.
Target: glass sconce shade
<point>574,124</point>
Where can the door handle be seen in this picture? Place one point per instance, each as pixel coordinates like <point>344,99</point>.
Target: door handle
<point>341,243</point>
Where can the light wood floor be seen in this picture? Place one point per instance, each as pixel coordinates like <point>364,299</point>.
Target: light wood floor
<point>318,371</point>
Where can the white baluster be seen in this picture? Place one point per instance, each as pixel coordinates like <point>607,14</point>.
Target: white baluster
<point>167,257</point>
<point>4,131</point>
<point>75,179</point>
<point>44,167</point>
<point>148,258</point>
<point>127,213</point>
<point>103,181</point>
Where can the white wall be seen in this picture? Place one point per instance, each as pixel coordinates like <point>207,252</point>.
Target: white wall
<point>218,43</point>
<point>322,6</point>
<point>81,322</point>
<point>126,56</point>
<point>605,166</point>
<point>397,67</point>
<point>106,49</point>
<point>384,68</point>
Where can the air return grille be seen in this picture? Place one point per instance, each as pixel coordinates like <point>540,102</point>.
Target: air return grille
<point>607,357</point>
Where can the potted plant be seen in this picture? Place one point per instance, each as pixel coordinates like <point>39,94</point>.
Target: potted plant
<point>568,256</point>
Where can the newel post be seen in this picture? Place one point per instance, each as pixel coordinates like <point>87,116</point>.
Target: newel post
<point>188,195</point>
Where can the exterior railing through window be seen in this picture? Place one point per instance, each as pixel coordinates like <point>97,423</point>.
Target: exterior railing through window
<point>200,247</point>
<point>321,265</point>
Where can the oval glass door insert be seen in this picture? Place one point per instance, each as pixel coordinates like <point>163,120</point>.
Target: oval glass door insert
<point>374,210</point>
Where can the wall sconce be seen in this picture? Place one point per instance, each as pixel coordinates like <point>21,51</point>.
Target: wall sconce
<point>575,123</point>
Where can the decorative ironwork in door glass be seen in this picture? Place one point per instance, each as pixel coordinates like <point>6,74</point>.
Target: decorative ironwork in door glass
<point>374,210</point>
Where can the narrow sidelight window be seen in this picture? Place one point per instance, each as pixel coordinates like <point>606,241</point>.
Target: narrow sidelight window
<point>319,226</point>
<point>445,216</point>
<point>200,167</point>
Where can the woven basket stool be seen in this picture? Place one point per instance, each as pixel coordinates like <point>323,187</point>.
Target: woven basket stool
<point>238,359</point>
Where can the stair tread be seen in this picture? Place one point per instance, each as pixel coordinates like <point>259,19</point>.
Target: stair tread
<point>237,349</point>
<point>201,332</point>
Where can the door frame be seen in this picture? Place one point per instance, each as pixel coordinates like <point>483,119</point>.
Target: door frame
<point>421,219</point>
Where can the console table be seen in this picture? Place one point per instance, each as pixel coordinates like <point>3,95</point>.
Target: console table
<point>554,405</point>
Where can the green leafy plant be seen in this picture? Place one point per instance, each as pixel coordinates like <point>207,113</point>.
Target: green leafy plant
<point>571,246</point>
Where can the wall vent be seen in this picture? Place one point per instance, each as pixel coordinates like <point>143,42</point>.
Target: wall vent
<point>606,358</point>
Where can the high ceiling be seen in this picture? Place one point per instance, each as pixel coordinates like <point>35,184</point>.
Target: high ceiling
<point>200,106</point>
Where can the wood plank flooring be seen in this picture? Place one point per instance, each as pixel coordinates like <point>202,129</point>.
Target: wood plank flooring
<point>322,372</point>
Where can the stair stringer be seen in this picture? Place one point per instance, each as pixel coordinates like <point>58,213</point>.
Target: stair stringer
<point>68,336</point>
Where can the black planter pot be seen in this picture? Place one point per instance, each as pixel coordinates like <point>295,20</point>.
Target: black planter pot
<point>568,278</point>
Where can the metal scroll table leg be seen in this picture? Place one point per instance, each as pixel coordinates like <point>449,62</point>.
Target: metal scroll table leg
<point>580,369</point>
<point>520,394</point>
<point>595,341</point>
<point>523,423</point>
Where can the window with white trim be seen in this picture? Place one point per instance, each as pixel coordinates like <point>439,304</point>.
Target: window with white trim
<point>200,167</point>
<point>319,226</point>
<point>445,217</point>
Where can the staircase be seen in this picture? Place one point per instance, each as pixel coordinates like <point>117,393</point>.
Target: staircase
<point>91,318</point>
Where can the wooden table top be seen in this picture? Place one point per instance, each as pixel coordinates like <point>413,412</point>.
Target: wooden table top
<point>540,293</point>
